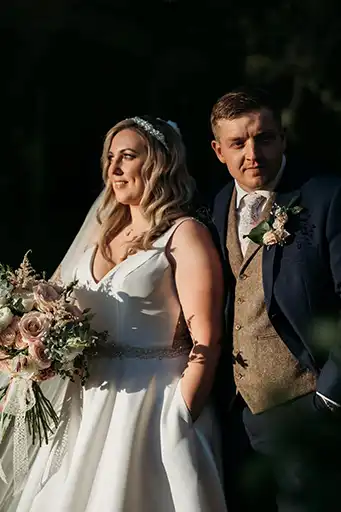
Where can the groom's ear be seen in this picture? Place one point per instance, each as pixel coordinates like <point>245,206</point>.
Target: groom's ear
<point>216,146</point>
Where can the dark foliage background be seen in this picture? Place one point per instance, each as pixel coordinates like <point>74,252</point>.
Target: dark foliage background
<point>71,69</point>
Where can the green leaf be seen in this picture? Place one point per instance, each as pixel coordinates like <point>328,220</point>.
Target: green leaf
<point>256,234</point>
<point>293,201</point>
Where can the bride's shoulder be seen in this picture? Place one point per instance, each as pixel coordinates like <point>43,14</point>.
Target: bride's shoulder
<point>189,230</point>
<point>191,246</point>
<point>189,224</point>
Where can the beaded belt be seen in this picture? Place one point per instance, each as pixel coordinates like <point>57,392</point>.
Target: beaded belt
<point>130,351</point>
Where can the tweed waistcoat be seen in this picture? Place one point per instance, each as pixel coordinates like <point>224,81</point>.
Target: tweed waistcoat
<point>265,371</point>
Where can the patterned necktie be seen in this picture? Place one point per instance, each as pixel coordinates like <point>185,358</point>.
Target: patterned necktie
<point>249,216</point>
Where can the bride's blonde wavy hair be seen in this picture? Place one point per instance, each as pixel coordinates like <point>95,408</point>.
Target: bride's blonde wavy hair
<point>168,188</point>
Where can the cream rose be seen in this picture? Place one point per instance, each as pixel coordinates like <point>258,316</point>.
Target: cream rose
<point>45,295</point>
<point>270,238</point>
<point>278,224</point>
<point>34,326</point>
<point>281,216</point>
<point>26,298</point>
<point>282,234</point>
<point>4,292</point>
<point>6,317</point>
<point>37,351</point>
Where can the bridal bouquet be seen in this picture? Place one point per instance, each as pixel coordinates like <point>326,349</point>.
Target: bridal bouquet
<point>42,334</point>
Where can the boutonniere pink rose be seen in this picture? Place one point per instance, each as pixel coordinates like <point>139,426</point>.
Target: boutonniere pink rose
<point>272,230</point>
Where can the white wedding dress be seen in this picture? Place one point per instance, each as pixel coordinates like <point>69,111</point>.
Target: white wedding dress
<point>130,445</point>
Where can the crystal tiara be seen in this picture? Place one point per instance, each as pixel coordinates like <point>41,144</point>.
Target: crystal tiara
<point>148,127</point>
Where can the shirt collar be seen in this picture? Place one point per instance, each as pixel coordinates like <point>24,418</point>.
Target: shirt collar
<point>241,193</point>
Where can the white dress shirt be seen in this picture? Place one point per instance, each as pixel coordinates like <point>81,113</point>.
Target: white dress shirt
<point>240,205</point>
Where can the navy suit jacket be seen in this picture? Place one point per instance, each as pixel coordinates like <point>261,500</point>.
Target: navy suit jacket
<point>302,279</point>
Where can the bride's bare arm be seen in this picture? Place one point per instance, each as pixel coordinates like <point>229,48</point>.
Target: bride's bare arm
<point>199,282</point>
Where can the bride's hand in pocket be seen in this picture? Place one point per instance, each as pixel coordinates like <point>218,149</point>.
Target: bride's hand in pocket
<point>199,282</point>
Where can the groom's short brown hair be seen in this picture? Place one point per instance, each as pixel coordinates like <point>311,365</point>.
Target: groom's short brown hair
<point>242,101</point>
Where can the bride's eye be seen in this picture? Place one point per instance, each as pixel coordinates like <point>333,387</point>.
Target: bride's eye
<point>128,156</point>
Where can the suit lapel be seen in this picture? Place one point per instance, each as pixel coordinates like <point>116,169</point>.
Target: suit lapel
<point>220,214</point>
<point>271,253</point>
<point>232,240</point>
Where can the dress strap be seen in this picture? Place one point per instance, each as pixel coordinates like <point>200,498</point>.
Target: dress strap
<point>163,240</point>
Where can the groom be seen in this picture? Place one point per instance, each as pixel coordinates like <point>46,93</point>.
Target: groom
<point>280,280</point>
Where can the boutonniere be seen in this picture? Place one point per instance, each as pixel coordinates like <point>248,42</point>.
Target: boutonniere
<point>272,230</point>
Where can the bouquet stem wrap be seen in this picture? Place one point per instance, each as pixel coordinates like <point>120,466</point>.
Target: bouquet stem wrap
<point>18,400</point>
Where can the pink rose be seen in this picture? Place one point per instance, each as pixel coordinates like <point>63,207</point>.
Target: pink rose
<point>4,361</point>
<point>19,342</point>
<point>34,326</point>
<point>45,295</point>
<point>37,352</point>
<point>7,337</point>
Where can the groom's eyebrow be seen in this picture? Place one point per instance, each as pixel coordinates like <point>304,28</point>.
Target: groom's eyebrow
<point>266,133</point>
<point>235,139</point>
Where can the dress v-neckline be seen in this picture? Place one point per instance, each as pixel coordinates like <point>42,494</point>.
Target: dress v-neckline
<point>91,267</point>
<point>118,265</point>
<point>111,271</point>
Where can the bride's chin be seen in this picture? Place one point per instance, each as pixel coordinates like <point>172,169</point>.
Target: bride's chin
<point>127,201</point>
<point>120,197</point>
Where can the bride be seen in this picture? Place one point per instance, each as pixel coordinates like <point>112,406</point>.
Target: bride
<point>141,436</point>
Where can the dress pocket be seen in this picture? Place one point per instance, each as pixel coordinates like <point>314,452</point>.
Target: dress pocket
<point>184,410</point>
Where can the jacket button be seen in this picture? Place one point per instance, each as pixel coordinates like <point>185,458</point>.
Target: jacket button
<point>238,327</point>
<point>243,277</point>
<point>240,301</point>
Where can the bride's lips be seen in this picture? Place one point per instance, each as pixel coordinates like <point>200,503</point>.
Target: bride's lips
<point>120,183</point>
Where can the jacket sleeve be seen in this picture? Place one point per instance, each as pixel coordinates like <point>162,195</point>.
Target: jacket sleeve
<point>329,381</point>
